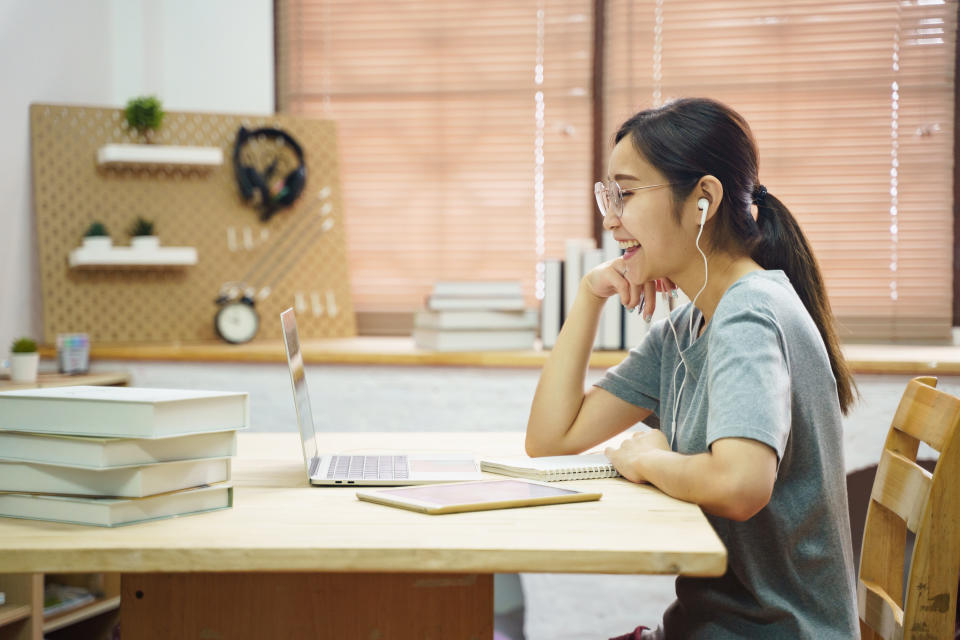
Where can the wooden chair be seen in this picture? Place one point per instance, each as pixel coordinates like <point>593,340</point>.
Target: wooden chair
<point>907,496</point>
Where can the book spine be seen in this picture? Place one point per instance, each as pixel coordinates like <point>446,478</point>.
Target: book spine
<point>612,316</point>
<point>573,270</point>
<point>593,258</point>
<point>551,308</point>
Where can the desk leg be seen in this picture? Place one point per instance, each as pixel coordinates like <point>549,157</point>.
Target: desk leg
<point>306,605</point>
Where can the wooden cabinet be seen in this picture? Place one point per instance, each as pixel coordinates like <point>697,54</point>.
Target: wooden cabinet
<point>21,618</point>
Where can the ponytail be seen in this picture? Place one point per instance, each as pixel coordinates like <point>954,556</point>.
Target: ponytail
<point>782,245</point>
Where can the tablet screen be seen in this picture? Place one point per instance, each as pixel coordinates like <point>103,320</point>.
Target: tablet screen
<point>460,493</point>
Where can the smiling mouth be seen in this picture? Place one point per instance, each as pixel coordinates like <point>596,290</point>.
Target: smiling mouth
<point>629,248</point>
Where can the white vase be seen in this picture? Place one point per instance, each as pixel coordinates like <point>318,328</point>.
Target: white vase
<point>97,243</point>
<point>23,366</point>
<point>145,242</point>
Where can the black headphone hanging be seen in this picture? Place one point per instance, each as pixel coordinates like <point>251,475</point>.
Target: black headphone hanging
<point>251,181</point>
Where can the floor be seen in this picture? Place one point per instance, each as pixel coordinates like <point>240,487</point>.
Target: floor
<point>399,398</point>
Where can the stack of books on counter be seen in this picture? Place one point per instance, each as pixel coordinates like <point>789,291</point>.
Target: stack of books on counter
<point>112,456</point>
<point>475,316</point>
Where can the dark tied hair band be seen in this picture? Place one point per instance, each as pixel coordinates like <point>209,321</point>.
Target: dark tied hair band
<point>759,195</point>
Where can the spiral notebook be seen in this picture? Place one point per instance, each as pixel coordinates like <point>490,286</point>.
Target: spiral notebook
<point>552,468</point>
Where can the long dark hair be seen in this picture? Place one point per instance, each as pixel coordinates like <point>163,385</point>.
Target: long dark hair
<point>689,138</point>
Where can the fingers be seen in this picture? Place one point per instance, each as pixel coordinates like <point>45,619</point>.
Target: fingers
<point>631,295</point>
<point>642,298</point>
<point>649,299</point>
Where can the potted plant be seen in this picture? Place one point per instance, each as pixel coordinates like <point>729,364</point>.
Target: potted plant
<point>97,237</point>
<point>24,360</point>
<point>145,115</point>
<point>142,235</point>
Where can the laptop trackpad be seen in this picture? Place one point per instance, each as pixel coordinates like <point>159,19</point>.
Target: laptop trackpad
<point>442,466</point>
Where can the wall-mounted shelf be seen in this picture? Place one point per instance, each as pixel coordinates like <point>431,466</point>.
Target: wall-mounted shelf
<point>134,155</point>
<point>115,257</point>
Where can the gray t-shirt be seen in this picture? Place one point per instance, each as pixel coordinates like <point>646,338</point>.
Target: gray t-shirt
<point>759,371</point>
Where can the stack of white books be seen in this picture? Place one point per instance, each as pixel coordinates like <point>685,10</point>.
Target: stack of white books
<point>475,316</point>
<point>111,456</point>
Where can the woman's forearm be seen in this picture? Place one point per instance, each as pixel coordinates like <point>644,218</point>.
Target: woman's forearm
<point>721,485</point>
<point>560,391</point>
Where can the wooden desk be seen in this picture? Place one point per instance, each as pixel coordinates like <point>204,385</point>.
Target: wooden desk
<point>290,560</point>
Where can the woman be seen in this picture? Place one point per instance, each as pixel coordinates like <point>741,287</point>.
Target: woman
<point>747,381</point>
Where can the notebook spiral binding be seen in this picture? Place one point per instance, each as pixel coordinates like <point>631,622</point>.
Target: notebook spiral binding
<point>583,473</point>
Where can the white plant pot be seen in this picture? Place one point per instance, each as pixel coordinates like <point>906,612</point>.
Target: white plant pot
<point>98,243</point>
<point>145,242</point>
<point>23,366</point>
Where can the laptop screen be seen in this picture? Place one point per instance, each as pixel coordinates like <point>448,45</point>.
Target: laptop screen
<point>301,398</point>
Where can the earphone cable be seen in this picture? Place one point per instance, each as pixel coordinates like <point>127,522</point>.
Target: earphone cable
<point>676,403</point>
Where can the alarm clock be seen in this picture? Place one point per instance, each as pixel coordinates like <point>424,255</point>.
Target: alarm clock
<point>237,321</point>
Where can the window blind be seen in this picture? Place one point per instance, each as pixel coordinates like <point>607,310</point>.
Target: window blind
<point>852,107</point>
<point>464,134</point>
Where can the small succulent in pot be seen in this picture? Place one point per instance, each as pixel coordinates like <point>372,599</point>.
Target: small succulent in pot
<point>142,234</point>
<point>145,115</point>
<point>97,237</point>
<point>96,229</point>
<point>142,227</point>
<point>23,345</point>
<point>24,360</point>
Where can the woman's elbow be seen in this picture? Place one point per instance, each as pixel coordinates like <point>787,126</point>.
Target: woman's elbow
<point>531,447</point>
<point>536,449</point>
<point>742,501</point>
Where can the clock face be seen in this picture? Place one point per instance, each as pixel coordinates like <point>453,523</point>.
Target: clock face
<point>237,322</point>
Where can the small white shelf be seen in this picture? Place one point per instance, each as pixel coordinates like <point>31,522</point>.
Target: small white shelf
<point>129,155</point>
<point>133,257</point>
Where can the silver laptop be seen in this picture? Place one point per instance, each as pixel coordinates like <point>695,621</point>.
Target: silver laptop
<point>362,470</point>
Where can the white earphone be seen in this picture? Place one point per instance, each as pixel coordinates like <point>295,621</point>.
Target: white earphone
<point>704,205</point>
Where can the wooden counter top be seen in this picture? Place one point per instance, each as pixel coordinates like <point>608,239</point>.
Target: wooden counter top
<point>863,358</point>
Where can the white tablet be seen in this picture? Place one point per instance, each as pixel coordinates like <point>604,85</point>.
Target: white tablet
<point>475,496</point>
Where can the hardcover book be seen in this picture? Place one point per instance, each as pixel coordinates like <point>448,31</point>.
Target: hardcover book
<point>113,512</point>
<point>94,452</point>
<point>478,288</point>
<point>488,340</point>
<point>130,482</point>
<point>499,303</point>
<point>126,412</point>
<point>551,307</point>
<point>479,319</point>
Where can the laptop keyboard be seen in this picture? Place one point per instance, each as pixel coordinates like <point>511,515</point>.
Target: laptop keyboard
<point>368,468</point>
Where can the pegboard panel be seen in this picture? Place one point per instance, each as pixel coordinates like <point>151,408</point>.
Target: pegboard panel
<point>300,250</point>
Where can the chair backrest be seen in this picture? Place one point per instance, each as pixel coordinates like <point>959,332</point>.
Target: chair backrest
<point>907,496</point>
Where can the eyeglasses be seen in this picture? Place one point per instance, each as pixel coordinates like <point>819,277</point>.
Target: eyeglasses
<point>610,196</point>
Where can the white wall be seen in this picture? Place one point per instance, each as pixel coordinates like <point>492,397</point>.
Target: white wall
<point>195,55</point>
